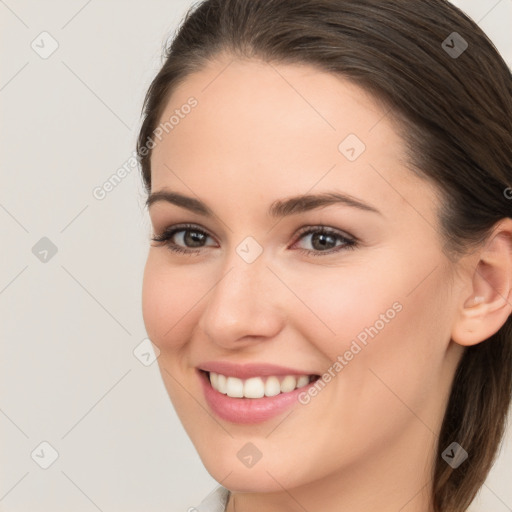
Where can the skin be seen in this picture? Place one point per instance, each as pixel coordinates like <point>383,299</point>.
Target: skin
<point>367,441</point>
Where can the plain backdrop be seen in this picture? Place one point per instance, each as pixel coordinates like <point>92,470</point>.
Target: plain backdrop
<point>71,272</point>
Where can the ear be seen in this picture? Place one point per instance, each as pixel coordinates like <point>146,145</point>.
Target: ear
<point>484,311</point>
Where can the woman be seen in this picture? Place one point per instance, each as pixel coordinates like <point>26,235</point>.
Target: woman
<point>329,283</point>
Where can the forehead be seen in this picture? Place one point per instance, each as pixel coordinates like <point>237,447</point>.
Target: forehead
<point>266,131</point>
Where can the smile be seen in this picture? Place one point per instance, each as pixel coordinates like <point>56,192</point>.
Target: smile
<point>245,400</point>
<point>258,387</point>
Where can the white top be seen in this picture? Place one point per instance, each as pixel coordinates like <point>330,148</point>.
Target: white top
<point>216,501</point>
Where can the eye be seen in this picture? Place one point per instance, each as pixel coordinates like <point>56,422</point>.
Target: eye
<point>190,239</point>
<point>185,239</point>
<point>324,241</point>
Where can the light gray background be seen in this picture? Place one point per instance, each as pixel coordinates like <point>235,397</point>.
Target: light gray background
<point>68,375</point>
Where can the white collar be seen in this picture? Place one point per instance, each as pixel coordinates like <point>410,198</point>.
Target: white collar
<point>216,501</point>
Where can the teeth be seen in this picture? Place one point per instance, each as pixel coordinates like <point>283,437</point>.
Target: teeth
<point>272,386</point>
<point>234,387</point>
<point>256,387</point>
<point>288,384</point>
<point>221,383</point>
<point>253,388</point>
<point>302,381</point>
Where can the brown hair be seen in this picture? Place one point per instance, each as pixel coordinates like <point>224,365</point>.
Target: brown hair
<point>455,116</point>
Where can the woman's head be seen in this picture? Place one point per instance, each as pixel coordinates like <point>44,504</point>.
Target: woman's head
<point>402,301</point>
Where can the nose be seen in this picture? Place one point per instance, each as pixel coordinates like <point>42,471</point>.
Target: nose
<point>245,304</point>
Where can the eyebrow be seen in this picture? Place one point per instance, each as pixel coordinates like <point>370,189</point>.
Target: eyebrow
<point>279,208</point>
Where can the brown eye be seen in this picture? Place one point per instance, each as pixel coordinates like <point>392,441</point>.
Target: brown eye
<point>183,239</point>
<point>326,241</point>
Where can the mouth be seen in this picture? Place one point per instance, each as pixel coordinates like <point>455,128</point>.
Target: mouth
<point>257,387</point>
<point>255,399</point>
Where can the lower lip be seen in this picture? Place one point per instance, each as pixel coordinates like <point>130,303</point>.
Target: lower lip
<point>248,410</point>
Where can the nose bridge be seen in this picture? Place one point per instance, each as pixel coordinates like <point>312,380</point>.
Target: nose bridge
<point>243,301</point>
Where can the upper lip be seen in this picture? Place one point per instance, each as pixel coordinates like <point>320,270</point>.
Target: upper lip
<point>248,370</point>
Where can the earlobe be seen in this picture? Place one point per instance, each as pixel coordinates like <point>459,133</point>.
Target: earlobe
<point>489,304</point>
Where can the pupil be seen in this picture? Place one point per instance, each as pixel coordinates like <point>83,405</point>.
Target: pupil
<point>193,238</point>
<point>322,239</point>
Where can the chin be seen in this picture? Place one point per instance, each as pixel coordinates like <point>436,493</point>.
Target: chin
<point>246,480</point>
<point>269,475</point>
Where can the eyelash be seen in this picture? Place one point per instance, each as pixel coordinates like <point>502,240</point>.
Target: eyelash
<point>349,243</point>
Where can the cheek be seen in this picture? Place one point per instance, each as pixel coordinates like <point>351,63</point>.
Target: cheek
<point>391,355</point>
<point>340,305</point>
<point>397,373</point>
<point>381,325</point>
<point>168,300</point>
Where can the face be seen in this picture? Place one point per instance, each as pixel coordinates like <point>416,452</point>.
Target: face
<point>356,292</point>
